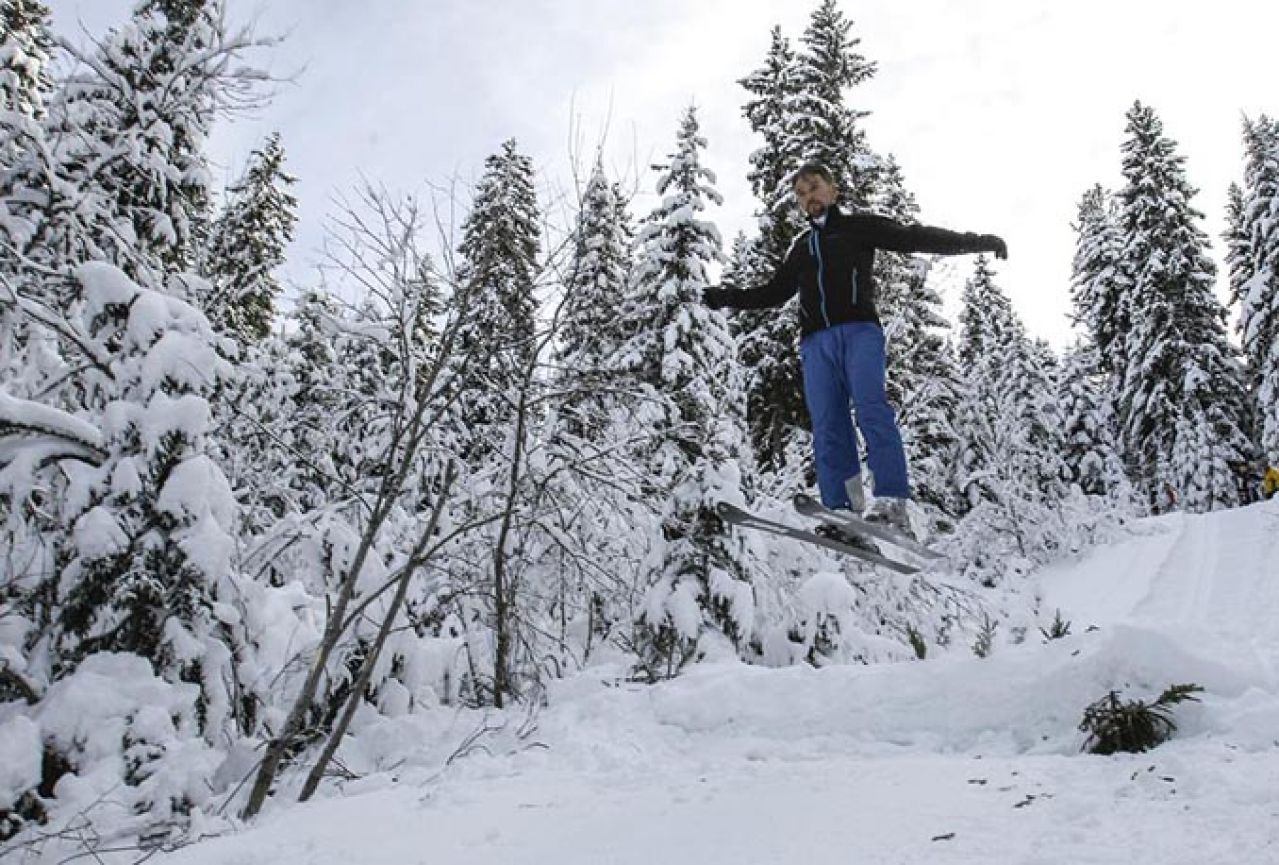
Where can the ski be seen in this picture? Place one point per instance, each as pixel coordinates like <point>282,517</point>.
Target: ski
<point>732,514</point>
<point>811,507</point>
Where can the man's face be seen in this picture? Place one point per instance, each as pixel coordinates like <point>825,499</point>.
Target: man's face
<point>814,194</point>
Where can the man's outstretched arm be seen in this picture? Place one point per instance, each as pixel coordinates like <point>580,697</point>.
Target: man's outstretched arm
<point>773,293</point>
<point>884,233</point>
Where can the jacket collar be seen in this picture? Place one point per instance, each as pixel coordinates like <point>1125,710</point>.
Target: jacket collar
<point>832,215</point>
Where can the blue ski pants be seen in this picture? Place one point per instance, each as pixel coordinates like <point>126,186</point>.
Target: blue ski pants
<point>843,367</point>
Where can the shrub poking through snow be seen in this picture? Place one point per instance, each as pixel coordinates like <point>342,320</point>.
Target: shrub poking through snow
<point>917,642</point>
<point>984,645</point>
<point>1058,629</point>
<point>1113,725</point>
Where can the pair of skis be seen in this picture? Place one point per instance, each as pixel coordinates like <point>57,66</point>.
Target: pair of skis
<point>807,506</point>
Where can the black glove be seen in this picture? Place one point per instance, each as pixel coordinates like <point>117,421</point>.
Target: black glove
<point>994,243</point>
<point>715,298</point>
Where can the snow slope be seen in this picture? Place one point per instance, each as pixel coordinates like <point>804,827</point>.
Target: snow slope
<point>953,760</point>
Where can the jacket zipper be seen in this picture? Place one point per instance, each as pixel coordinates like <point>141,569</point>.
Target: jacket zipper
<point>816,249</point>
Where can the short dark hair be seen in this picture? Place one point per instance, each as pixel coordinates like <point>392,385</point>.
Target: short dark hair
<point>813,169</point>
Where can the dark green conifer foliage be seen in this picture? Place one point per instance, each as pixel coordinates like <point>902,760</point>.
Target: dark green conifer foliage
<point>684,353</point>
<point>1133,726</point>
<point>501,244</point>
<point>1181,401</point>
<point>248,244</point>
<point>1253,256</point>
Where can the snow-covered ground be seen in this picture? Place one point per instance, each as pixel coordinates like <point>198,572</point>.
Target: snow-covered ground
<point>951,760</point>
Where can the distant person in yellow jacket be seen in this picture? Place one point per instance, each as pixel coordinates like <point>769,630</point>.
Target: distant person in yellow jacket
<point>1270,483</point>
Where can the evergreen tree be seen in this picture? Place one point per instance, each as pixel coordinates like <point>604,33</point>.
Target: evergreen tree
<point>1182,403</point>
<point>923,380</point>
<point>684,353</point>
<point>925,383</point>
<point>25,46</point>
<point>1098,291</point>
<point>1253,241</point>
<point>1010,421</point>
<point>1094,366</point>
<point>773,88</point>
<point>1089,426</point>
<point>1238,244</point>
<point>986,319</point>
<point>1037,387</point>
<point>501,241</point>
<point>823,127</point>
<point>248,245</point>
<point>149,98</point>
<point>739,266</point>
<point>590,330</point>
<point>24,75</point>
<point>147,556</point>
<point>767,339</point>
<point>1009,459</point>
<point>139,552</point>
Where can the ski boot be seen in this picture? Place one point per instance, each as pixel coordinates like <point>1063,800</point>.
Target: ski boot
<point>891,513</point>
<point>846,535</point>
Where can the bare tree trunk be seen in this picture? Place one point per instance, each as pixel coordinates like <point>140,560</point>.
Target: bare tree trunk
<point>333,630</point>
<point>354,699</point>
<point>412,426</point>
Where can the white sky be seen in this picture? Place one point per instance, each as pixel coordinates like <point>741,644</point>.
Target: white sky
<point>1001,113</point>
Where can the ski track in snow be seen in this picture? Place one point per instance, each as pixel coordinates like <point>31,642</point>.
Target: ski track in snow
<point>956,760</point>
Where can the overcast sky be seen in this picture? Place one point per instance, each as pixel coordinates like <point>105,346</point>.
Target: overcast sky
<point>1001,112</point>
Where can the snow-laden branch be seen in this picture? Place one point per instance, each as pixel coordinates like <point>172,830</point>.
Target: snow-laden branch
<point>44,315</point>
<point>60,434</point>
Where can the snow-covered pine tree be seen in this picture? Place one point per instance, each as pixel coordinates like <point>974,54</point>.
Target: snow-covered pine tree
<point>1011,424</point>
<point>894,272</point>
<point>146,558</point>
<point>248,244</point>
<point>140,549</point>
<point>772,90</point>
<point>256,419</point>
<point>768,339</point>
<point>1182,402</point>
<point>1238,248</point>
<point>684,353</point>
<point>923,379</point>
<point>150,95</point>
<point>589,331</point>
<point>314,381</point>
<point>1089,427</point>
<point>738,266</point>
<point>1095,365</point>
<point>1253,242</point>
<point>25,48</point>
<point>1036,385</point>
<point>1009,464</point>
<point>50,206</point>
<point>1098,292</point>
<point>589,524</point>
<point>822,126</point>
<point>987,321</point>
<point>498,401</point>
<point>501,242</point>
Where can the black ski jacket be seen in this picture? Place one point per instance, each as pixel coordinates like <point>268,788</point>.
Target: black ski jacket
<point>832,267</point>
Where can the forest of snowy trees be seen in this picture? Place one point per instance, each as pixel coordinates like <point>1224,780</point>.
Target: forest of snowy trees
<point>239,528</point>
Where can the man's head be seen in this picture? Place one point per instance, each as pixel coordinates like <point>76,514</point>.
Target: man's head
<point>815,189</point>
